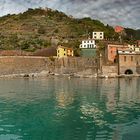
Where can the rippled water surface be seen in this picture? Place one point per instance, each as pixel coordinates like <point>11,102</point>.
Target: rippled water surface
<point>70,109</point>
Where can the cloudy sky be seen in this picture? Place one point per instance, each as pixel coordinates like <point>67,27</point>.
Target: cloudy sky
<point>114,12</point>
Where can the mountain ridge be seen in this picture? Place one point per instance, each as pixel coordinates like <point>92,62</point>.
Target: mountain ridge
<point>35,28</point>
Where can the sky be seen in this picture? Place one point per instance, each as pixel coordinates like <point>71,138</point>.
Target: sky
<point>113,12</point>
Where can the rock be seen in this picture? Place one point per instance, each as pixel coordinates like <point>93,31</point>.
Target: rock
<point>43,73</point>
<point>26,76</point>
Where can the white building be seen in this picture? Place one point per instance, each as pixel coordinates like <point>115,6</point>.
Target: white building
<point>134,47</point>
<point>98,35</point>
<point>89,43</point>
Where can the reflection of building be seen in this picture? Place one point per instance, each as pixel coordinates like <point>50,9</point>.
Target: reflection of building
<point>129,91</point>
<point>98,35</point>
<point>109,89</point>
<point>128,62</point>
<point>64,51</point>
<point>64,94</point>
<point>63,99</point>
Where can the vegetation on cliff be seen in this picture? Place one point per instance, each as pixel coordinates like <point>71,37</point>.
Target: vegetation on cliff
<point>42,28</point>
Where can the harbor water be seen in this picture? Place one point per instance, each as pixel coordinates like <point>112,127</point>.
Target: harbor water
<point>70,109</point>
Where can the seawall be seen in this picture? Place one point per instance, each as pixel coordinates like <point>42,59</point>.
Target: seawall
<point>30,64</point>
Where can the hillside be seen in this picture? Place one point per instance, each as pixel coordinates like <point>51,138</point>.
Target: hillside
<point>35,28</point>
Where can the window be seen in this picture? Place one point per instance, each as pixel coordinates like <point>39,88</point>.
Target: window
<point>131,58</point>
<point>84,46</point>
<point>94,33</point>
<point>64,54</point>
<point>64,49</point>
<point>101,33</point>
<point>94,36</point>
<point>58,51</point>
<point>125,58</point>
<point>100,36</point>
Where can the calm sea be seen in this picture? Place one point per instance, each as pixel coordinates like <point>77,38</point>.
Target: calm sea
<point>70,109</point>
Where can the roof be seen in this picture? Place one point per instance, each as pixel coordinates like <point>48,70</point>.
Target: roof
<point>128,52</point>
<point>64,47</point>
<point>118,45</point>
<point>118,29</point>
<point>50,51</point>
<point>88,40</point>
<point>98,32</point>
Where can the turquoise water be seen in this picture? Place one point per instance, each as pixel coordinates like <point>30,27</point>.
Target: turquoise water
<point>70,109</point>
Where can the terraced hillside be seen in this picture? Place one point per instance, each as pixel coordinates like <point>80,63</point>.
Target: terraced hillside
<point>41,28</point>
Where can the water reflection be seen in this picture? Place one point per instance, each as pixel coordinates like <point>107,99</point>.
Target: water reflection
<point>63,109</point>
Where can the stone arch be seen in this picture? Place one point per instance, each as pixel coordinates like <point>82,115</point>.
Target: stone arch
<point>128,71</point>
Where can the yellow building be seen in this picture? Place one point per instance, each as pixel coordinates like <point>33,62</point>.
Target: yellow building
<point>64,51</point>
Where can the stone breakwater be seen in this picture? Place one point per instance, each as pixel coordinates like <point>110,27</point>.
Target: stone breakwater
<point>30,66</point>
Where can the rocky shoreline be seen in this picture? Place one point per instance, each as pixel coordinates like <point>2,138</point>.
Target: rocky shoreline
<point>44,74</point>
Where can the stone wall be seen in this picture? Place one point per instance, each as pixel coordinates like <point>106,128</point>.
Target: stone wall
<point>110,70</point>
<point>20,64</point>
<point>138,69</point>
<point>77,65</point>
<point>31,64</point>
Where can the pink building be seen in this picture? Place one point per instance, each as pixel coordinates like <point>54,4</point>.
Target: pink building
<point>118,29</point>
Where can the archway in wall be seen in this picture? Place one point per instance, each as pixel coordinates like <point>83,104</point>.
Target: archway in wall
<point>128,71</point>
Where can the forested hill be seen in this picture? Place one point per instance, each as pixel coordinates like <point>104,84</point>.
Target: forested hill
<point>35,28</point>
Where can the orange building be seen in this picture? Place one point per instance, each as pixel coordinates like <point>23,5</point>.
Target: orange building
<point>112,51</point>
<point>118,29</point>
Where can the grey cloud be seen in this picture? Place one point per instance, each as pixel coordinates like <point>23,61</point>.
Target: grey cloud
<point>113,12</point>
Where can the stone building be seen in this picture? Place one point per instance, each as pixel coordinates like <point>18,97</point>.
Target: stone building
<point>128,62</point>
<point>111,51</point>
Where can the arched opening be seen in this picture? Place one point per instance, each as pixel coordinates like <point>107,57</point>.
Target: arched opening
<point>128,72</point>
